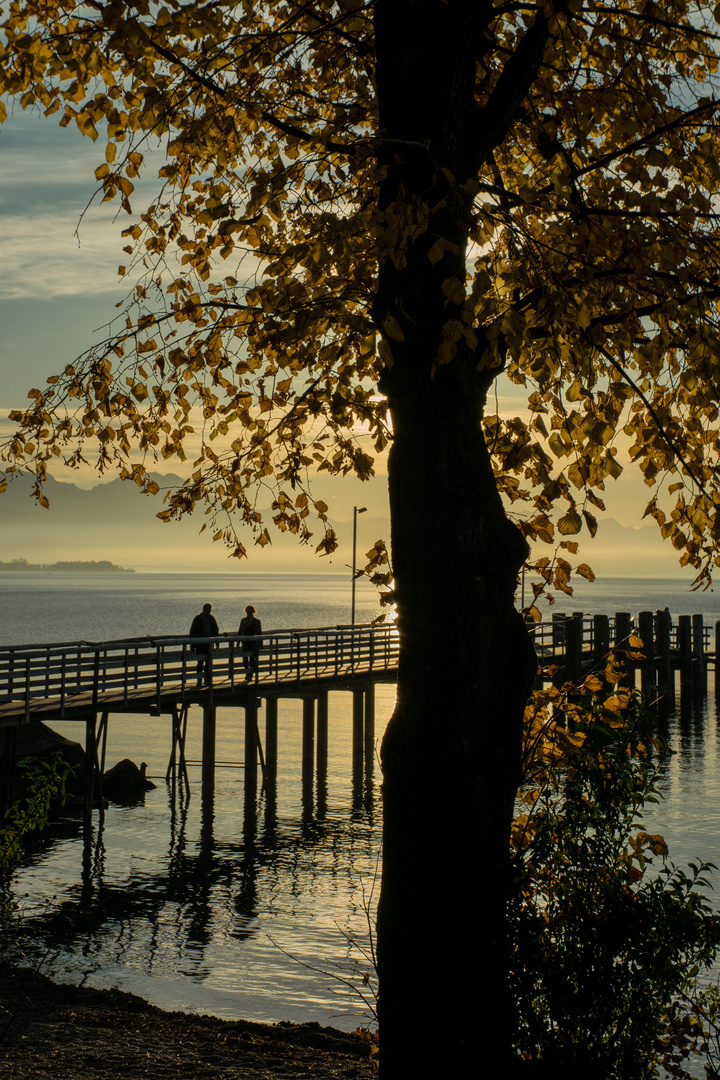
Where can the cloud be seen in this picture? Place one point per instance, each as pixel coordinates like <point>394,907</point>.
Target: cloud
<point>53,244</point>
<point>43,257</point>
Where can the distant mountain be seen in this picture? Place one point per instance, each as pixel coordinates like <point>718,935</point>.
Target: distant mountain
<point>116,522</point>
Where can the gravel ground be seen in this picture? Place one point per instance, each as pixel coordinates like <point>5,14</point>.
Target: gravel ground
<point>67,1031</point>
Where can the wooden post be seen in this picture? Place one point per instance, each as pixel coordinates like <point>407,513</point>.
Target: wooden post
<point>623,629</point>
<point>558,636</point>
<point>573,647</point>
<point>601,640</point>
<point>369,740</point>
<point>717,656</point>
<point>90,769</point>
<point>684,638</point>
<point>665,679</point>
<point>208,743</point>
<point>271,742</point>
<point>322,739</point>
<point>251,749</point>
<point>358,739</point>
<point>308,747</point>
<point>699,669</point>
<point>647,666</point>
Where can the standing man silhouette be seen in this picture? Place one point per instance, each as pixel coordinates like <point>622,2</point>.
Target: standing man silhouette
<point>250,626</point>
<point>203,626</point>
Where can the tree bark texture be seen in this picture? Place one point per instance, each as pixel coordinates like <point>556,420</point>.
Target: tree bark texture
<point>451,753</point>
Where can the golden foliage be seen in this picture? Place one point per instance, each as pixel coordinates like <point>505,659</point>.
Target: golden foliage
<point>250,347</point>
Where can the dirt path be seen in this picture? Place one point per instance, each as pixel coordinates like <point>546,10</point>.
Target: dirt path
<point>66,1031</point>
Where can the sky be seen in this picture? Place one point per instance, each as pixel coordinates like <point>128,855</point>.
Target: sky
<point>58,290</point>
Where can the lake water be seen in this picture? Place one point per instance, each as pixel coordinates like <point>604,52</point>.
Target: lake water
<point>191,909</point>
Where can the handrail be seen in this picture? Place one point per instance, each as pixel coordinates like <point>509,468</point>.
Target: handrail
<point>153,666</point>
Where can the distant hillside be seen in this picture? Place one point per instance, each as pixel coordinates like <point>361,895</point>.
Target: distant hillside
<point>22,566</point>
<point>116,522</point>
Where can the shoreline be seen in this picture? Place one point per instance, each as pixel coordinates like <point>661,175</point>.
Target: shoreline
<point>87,1034</point>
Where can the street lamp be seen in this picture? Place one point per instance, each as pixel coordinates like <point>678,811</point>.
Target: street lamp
<point>356,510</point>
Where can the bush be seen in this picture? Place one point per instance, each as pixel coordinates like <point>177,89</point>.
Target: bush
<point>608,936</point>
<point>43,782</point>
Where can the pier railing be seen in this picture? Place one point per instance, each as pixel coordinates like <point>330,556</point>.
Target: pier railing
<point>68,677</point>
<point>569,646</point>
<point>93,673</point>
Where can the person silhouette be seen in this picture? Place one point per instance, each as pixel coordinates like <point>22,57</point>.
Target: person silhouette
<point>203,626</point>
<point>250,627</point>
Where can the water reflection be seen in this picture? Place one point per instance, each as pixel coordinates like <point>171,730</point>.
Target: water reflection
<point>203,905</point>
<point>197,903</point>
<point>688,815</point>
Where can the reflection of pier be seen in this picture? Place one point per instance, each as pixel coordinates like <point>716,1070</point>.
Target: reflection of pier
<point>84,681</point>
<point>202,888</point>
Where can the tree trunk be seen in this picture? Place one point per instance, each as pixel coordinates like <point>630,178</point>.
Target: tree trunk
<point>451,754</point>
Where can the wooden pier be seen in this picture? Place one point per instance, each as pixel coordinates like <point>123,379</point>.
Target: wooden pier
<point>87,681</point>
<point>158,676</point>
<point>569,646</point>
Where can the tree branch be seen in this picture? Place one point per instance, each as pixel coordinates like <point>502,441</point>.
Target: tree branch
<point>651,410</point>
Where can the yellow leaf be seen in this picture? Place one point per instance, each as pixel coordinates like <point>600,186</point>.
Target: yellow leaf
<point>393,329</point>
<point>439,248</point>
<point>591,522</point>
<point>570,523</point>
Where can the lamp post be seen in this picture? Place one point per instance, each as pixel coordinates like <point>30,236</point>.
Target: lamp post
<point>356,510</point>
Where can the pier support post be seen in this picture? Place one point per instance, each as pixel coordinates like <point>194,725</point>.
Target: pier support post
<point>178,719</point>
<point>208,744</point>
<point>684,639</point>
<point>623,630</point>
<point>369,740</point>
<point>271,742</point>
<point>647,666</point>
<point>665,680</point>
<point>699,669</point>
<point>601,640</point>
<point>357,744</point>
<point>7,767</point>
<point>573,647</point>
<point>322,750</point>
<point>91,768</point>
<point>308,749</point>
<point>251,751</point>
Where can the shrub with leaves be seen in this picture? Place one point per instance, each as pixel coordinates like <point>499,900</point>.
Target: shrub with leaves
<point>43,782</point>
<point>609,937</point>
